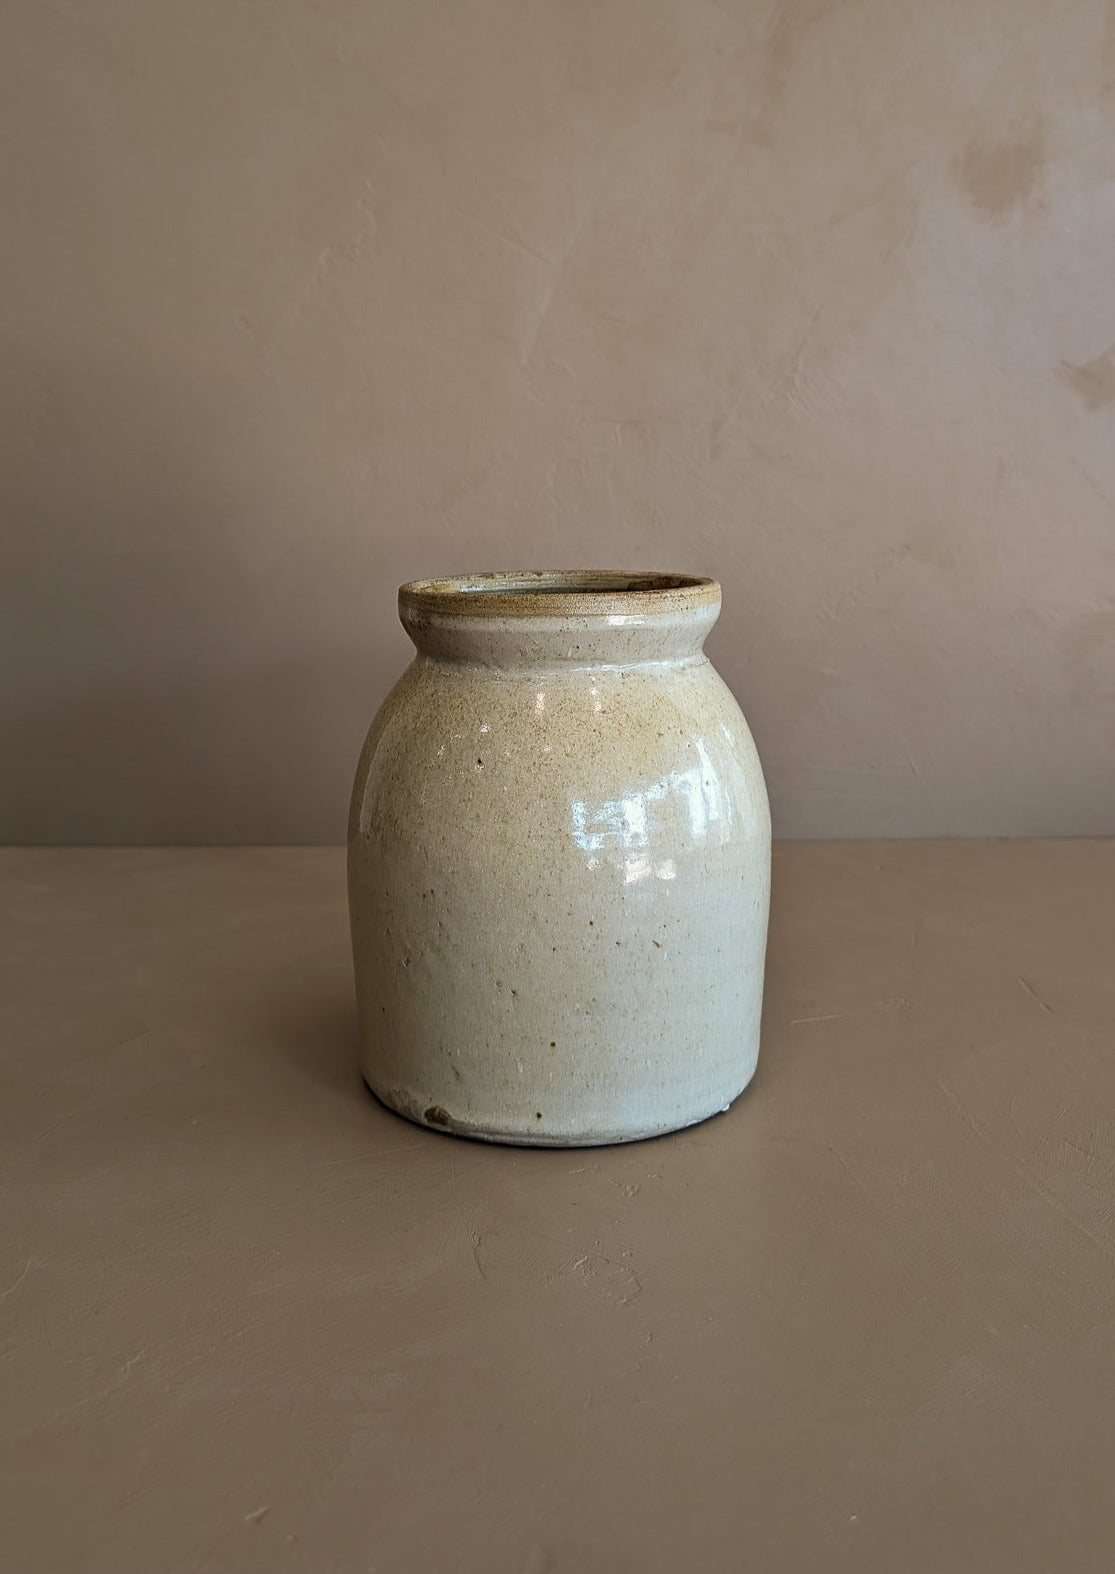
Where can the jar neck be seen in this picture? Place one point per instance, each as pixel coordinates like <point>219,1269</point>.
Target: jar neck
<point>587,619</point>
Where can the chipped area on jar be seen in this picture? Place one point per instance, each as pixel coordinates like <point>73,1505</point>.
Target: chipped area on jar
<point>559,877</point>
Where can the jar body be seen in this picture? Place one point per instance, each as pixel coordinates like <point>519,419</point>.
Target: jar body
<point>559,876</point>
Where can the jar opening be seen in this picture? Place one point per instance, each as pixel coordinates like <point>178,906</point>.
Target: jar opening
<point>578,617</point>
<point>584,584</point>
<point>574,592</point>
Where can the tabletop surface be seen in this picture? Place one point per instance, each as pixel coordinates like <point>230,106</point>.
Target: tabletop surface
<point>250,1320</point>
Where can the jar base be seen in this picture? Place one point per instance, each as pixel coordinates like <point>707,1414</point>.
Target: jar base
<point>432,1117</point>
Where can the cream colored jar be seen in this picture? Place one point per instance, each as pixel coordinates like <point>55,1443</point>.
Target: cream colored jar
<point>559,863</point>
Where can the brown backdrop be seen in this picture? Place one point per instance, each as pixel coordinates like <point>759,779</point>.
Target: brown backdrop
<point>302,300</point>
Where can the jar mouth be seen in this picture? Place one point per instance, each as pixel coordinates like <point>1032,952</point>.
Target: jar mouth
<point>558,593</point>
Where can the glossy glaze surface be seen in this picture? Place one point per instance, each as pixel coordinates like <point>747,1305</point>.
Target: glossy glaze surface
<point>559,864</point>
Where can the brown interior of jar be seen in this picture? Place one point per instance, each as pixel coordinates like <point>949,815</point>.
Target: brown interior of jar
<point>576,585</point>
<point>557,593</point>
<point>589,582</point>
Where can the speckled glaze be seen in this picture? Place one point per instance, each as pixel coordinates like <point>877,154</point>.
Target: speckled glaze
<point>559,863</point>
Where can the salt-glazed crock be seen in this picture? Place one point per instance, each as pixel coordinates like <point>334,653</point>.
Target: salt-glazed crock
<point>559,863</point>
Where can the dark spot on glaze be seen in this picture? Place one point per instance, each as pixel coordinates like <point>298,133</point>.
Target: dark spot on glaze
<point>553,1043</point>
<point>538,1114</point>
<point>436,1116</point>
<point>657,944</point>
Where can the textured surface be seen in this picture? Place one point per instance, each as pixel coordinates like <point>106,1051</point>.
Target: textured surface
<point>251,1321</point>
<point>559,868</point>
<point>306,298</point>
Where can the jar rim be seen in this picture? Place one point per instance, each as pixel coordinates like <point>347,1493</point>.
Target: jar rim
<point>561,593</point>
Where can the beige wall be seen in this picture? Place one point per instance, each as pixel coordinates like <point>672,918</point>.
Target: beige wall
<point>303,299</point>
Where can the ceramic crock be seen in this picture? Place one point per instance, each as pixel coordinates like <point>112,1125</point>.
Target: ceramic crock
<point>559,863</point>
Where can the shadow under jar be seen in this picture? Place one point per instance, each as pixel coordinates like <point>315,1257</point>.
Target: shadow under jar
<point>559,863</point>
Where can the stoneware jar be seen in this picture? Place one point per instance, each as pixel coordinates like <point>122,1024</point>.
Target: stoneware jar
<point>559,863</point>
